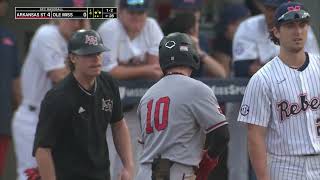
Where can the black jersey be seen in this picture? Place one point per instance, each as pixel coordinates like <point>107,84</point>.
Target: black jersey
<point>73,124</point>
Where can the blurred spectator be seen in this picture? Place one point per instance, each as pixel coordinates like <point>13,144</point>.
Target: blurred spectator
<point>186,22</point>
<point>133,40</point>
<point>44,66</point>
<point>229,19</point>
<point>9,86</point>
<point>252,47</point>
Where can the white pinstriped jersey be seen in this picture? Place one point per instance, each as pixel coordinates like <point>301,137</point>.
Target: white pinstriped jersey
<point>174,114</point>
<point>287,102</point>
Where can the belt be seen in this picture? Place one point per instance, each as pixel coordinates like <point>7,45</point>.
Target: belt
<point>310,155</point>
<point>32,108</point>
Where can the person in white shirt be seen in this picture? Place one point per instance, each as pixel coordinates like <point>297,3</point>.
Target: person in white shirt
<point>133,40</point>
<point>252,47</point>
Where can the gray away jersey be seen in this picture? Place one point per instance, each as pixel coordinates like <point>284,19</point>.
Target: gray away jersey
<point>287,102</point>
<point>175,114</point>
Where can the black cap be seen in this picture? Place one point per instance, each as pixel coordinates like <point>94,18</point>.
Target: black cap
<point>84,42</point>
<point>274,3</point>
<point>290,11</point>
<point>134,5</point>
<point>177,49</point>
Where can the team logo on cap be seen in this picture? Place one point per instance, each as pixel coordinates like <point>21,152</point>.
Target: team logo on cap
<point>294,8</point>
<point>170,44</point>
<point>91,40</point>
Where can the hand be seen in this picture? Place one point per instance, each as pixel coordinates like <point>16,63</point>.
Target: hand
<point>126,174</point>
<point>32,174</point>
<point>153,71</point>
<point>196,44</point>
<point>206,165</point>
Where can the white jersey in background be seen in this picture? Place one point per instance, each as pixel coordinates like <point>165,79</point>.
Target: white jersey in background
<point>251,41</point>
<point>122,49</point>
<point>174,114</point>
<point>48,51</point>
<point>287,102</point>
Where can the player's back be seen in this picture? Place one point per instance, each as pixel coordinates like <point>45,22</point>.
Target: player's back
<point>168,124</point>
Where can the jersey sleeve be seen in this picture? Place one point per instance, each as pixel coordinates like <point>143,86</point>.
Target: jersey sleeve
<point>311,45</point>
<point>256,103</point>
<point>110,39</point>
<point>117,113</point>
<point>49,52</point>
<point>155,36</point>
<point>53,118</point>
<point>244,46</point>
<point>206,110</point>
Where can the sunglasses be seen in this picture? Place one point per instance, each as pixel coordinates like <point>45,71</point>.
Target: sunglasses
<point>293,15</point>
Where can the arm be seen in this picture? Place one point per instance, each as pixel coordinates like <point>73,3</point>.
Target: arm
<point>148,71</point>
<point>257,150</point>
<point>212,66</point>
<point>57,75</point>
<point>45,164</point>
<point>224,60</point>
<point>122,142</point>
<point>217,141</point>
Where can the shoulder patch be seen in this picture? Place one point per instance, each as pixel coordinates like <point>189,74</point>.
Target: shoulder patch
<point>244,110</point>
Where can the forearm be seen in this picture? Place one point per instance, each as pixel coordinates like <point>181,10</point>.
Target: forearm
<point>122,72</point>
<point>122,142</point>
<point>213,67</point>
<point>45,164</point>
<point>258,155</point>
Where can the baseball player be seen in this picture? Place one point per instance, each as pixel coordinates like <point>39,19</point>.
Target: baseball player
<point>70,142</point>
<point>174,115</point>
<point>281,104</point>
<point>133,39</point>
<point>251,45</point>
<point>44,66</point>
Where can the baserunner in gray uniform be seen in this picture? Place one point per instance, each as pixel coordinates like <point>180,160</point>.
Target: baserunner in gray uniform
<point>175,115</point>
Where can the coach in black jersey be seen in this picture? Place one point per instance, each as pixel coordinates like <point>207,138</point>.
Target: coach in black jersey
<point>70,142</point>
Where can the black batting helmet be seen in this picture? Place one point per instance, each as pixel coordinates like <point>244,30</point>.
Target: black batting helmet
<point>177,49</point>
<point>84,42</point>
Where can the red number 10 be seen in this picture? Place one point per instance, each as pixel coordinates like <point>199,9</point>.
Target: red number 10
<point>165,113</point>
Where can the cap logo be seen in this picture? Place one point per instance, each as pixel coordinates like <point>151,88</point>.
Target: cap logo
<point>91,40</point>
<point>170,44</point>
<point>294,8</point>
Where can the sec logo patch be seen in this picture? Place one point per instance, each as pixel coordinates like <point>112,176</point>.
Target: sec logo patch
<point>244,110</point>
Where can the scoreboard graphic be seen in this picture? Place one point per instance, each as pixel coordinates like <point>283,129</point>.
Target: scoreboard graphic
<point>65,13</point>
